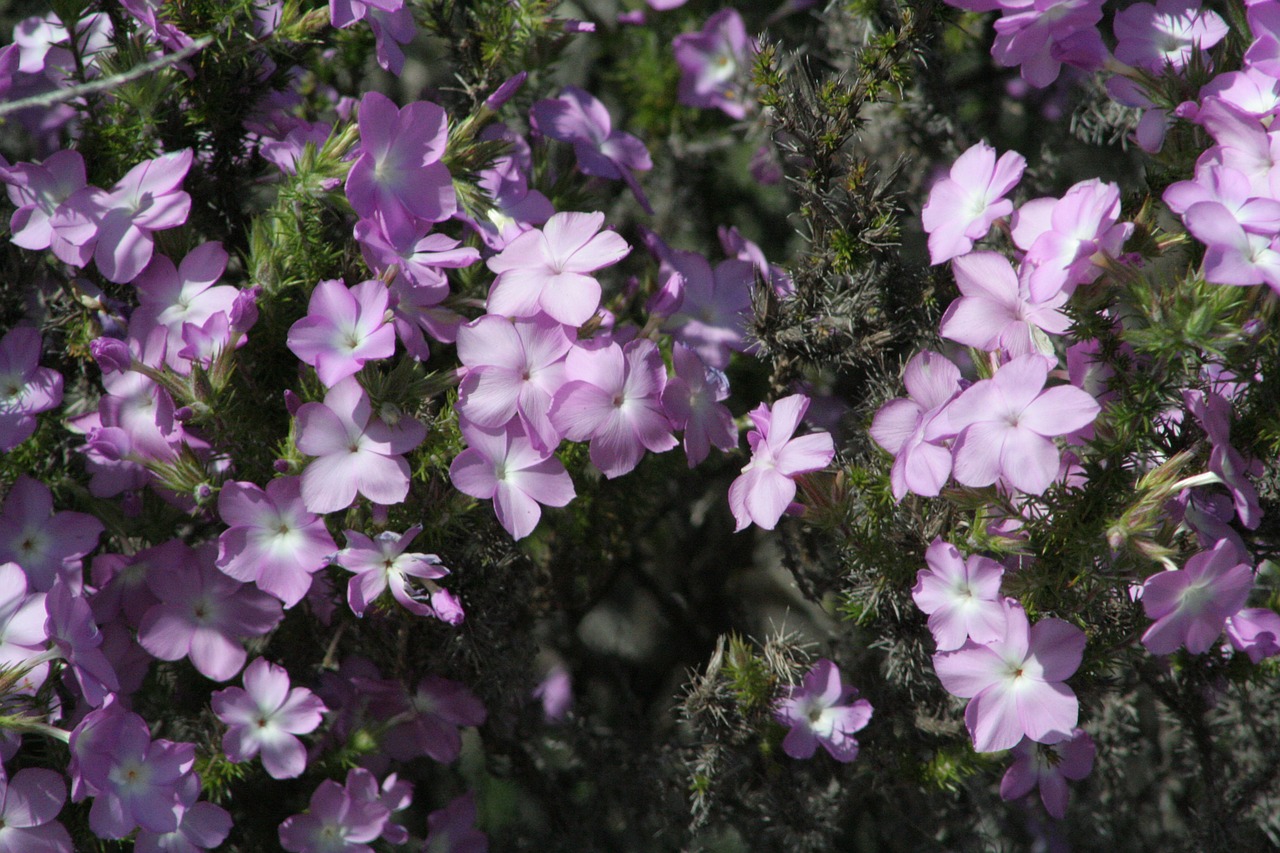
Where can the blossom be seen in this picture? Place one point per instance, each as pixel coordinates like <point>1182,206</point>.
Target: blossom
<point>548,269</point>
<point>1062,236</point>
<point>612,399</point>
<point>398,176</point>
<point>171,297</point>
<point>343,329</point>
<point>272,541</point>
<point>148,198</point>
<point>1190,605</point>
<point>715,305</point>
<point>962,206</point>
<point>1005,424</point>
<point>1048,768</point>
<point>504,465</point>
<point>819,711</point>
<point>1029,35</point>
<point>135,781</point>
<point>711,64</point>
<point>1255,631</point>
<point>26,389</point>
<point>22,628</point>
<point>997,311</point>
<point>37,191</point>
<point>201,825</point>
<point>513,369</point>
<point>381,563</point>
<point>692,402</point>
<point>29,801</point>
<point>73,632</point>
<point>1015,685</point>
<point>354,451</point>
<point>961,597</point>
<point>579,119</point>
<point>336,823</point>
<point>45,543</point>
<point>265,716</point>
<point>428,718</point>
<point>767,485</point>
<point>1167,34</point>
<point>915,428</point>
<point>202,615</point>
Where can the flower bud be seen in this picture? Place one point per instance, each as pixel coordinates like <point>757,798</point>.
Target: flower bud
<point>112,355</point>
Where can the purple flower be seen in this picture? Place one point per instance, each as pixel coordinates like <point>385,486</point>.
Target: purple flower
<point>336,823</point>
<point>22,628</point>
<point>1256,632</point>
<point>767,485</point>
<point>1005,425</point>
<point>1165,35</point>
<point>996,310</point>
<point>962,598</point>
<point>203,614</point>
<point>26,389</point>
<point>513,370</point>
<point>1048,768</point>
<point>1213,412</point>
<point>1015,685</point>
<point>1234,255</point>
<point>398,177</point>
<point>819,711</point>
<point>46,544</point>
<point>713,313</point>
<point>29,802</point>
<point>1191,605</point>
<point>452,828</point>
<point>962,206</point>
<point>692,401</point>
<point>612,399</point>
<point>713,63</point>
<point>343,329</point>
<point>134,781</point>
<point>201,826</point>
<point>381,563</point>
<point>148,198</point>
<point>427,721</point>
<point>548,270</point>
<point>516,207</point>
<point>579,119</point>
<point>75,635</point>
<point>273,541</point>
<point>915,428</point>
<point>1061,236</point>
<point>1029,35</point>
<point>171,297</point>
<point>37,190</point>
<point>503,464</point>
<point>264,718</point>
<point>354,451</point>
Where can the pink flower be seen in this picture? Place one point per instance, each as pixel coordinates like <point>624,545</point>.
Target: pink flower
<point>767,485</point>
<point>265,716</point>
<point>201,825</point>
<point>26,389</point>
<point>503,464</point>
<point>692,402</point>
<point>547,269</point>
<point>1031,35</point>
<point>1015,685</point>
<point>452,828</point>
<point>962,206</point>
<point>273,541</point>
<point>354,451</point>
<point>29,802</point>
<point>1256,632</point>
<point>45,543</point>
<point>996,310</point>
<point>398,177</point>
<point>336,823</point>
<point>1191,605</point>
<point>203,614</point>
<point>37,190</point>
<point>713,64</point>
<point>962,598</point>
<point>1048,768</point>
<point>343,329</point>
<point>171,297</point>
<point>381,563</point>
<point>1167,34</point>
<point>513,369</point>
<point>612,399</point>
<point>427,720</point>
<point>915,428</point>
<point>819,711</point>
<point>148,198</point>
<point>1061,237</point>
<point>1006,423</point>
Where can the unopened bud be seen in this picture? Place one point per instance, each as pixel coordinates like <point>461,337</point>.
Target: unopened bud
<point>504,92</point>
<point>112,355</point>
